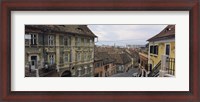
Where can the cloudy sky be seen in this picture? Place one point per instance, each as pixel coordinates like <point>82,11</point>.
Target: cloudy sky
<point>125,34</point>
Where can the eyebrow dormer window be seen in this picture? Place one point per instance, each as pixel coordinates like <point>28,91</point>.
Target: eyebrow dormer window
<point>79,29</point>
<point>168,29</point>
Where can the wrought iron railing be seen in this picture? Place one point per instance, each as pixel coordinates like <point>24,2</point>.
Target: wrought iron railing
<point>155,70</point>
<point>171,66</point>
<point>46,71</point>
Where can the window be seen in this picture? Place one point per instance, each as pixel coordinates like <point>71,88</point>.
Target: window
<point>154,49</point>
<point>85,57</point>
<point>51,58</point>
<point>61,57</point>
<point>97,64</point>
<point>150,66</point>
<point>51,40</point>
<point>78,57</point>
<point>79,29</point>
<point>67,41</point>
<point>91,42</point>
<point>138,60</point>
<point>86,70</point>
<point>66,57</point>
<point>89,56</point>
<point>106,67</point>
<point>79,71</point>
<point>167,50</point>
<point>33,39</point>
<point>78,41</point>
<point>151,49</point>
<point>85,42</point>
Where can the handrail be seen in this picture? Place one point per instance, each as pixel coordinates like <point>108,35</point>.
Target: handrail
<point>155,70</point>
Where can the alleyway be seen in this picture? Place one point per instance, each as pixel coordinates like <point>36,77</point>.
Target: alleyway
<point>126,74</point>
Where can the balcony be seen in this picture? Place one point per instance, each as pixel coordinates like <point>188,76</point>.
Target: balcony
<point>170,69</point>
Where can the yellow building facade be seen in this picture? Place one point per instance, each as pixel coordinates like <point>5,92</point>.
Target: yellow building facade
<point>155,58</point>
<point>162,44</point>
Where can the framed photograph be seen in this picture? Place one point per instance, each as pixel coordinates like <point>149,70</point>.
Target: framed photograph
<point>100,50</point>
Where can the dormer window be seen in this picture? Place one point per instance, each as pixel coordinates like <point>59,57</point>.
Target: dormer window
<point>80,29</point>
<point>168,29</point>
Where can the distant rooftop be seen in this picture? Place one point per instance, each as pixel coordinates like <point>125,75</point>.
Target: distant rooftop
<point>104,56</point>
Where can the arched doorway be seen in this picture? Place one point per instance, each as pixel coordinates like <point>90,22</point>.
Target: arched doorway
<point>66,73</point>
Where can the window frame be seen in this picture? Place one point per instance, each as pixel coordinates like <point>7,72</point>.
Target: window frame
<point>66,55</point>
<point>91,41</point>
<point>51,40</point>
<point>32,39</point>
<point>78,57</point>
<point>154,50</point>
<point>51,59</point>
<point>85,41</point>
<point>67,41</point>
<point>78,41</point>
<point>166,49</point>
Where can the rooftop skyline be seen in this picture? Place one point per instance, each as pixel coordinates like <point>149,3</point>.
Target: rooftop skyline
<point>125,34</point>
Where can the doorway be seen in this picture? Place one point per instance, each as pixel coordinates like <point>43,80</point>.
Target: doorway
<point>33,62</point>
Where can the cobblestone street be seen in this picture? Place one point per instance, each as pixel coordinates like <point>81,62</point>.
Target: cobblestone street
<point>127,74</point>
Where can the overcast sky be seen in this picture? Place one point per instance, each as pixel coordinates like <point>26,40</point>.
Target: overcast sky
<point>125,34</point>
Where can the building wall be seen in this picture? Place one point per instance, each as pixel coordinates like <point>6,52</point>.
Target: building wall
<point>101,71</point>
<point>111,69</point>
<point>154,59</point>
<point>58,49</point>
<point>143,64</point>
<point>172,54</point>
<point>86,56</point>
<point>98,68</point>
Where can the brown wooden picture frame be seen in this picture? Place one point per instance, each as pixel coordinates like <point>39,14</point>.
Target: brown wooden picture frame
<point>6,95</point>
